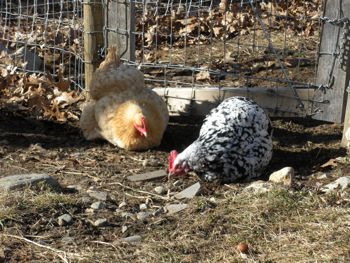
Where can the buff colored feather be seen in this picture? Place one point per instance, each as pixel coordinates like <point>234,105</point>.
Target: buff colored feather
<point>88,122</point>
<point>115,116</point>
<point>112,77</point>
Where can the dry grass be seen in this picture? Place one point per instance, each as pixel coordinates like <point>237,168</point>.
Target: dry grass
<point>280,226</point>
<point>296,225</point>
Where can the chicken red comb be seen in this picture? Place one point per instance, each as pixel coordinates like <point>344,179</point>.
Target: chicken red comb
<point>171,159</point>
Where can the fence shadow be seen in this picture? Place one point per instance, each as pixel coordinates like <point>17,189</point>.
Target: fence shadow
<point>20,131</point>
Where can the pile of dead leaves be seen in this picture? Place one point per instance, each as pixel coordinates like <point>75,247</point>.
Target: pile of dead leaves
<point>185,25</point>
<point>41,95</point>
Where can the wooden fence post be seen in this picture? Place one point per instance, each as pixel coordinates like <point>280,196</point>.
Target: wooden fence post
<point>332,73</point>
<point>93,37</point>
<point>120,27</point>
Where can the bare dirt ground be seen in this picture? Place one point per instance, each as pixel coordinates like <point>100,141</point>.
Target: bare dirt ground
<point>297,224</point>
<point>285,225</point>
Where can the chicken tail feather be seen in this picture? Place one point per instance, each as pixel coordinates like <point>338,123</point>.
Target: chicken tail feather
<point>111,60</point>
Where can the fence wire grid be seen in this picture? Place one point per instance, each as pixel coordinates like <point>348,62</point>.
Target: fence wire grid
<point>178,43</point>
<point>226,44</point>
<point>242,41</point>
<point>44,36</point>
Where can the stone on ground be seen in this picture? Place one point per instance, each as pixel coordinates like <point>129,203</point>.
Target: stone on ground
<point>132,239</point>
<point>21,180</point>
<point>189,192</point>
<point>100,222</point>
<point>175,208</point>
<point>258,187</point>
<point>99,195</point>
<point>65,219</point>
<point>160,190</point>
<point>340,184</point>
<point>284,176</point>
<point>148,176</point>
<point>97,205</point>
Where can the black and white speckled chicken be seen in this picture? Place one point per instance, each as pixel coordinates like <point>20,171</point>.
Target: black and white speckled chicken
<point>235,142</point>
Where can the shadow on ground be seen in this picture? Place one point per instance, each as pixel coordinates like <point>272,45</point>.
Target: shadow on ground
<point>301,143</point>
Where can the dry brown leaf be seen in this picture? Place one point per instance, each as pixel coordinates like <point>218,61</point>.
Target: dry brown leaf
<point>54,112</point>
<point>223,5</point>
<point>203,75</point>
<point>217,31</point>
<point>188,28</point>
<point>65,99</point>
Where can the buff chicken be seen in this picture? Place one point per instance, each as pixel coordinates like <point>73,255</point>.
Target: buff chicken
<point>122,110</point>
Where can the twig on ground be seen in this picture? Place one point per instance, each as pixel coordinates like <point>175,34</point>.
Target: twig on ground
<point>60,253</point>
<point>104,243</point>
<point>139,191</point>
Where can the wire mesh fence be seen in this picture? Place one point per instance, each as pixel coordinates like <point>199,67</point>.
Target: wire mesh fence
<point>243,39</point>
<point>43,36</point>
<point>228,44</point>
<point>193,44</point>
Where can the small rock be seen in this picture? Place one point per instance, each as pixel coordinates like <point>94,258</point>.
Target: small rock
<point>97,205</point>
<point>143,207</point>
<point>189,192</point>
<point>128,215</point>
<point>124,229</point>
<point>142,216</point>
<point>21,180</point>
<point>284,176</point>
<point>100,222</point>
<point>341,183</point>
<point>132,239</point>
<point>258,187</point>
<point>122,204</point>
<point>160,190</point>
<point>102,196</point>
<point>174,208</point>
<point>65,219</point>
<point>89,210</point>
<point>213,201</point>
<point>322,176</point>
<point>148,176</point>
<point>67,240</point>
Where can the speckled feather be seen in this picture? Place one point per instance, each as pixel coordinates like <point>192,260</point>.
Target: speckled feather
<point>235,141</point>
